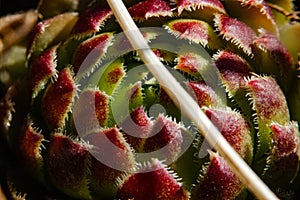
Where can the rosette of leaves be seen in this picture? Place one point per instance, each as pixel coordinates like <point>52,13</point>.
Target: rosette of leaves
<point>86,117</point>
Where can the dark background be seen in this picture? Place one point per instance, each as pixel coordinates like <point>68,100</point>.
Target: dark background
<point>12,6</point>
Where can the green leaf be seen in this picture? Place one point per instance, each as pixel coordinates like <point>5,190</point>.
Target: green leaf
<point>47,32</point>
<point>270,105</point>
<point>111,76</point>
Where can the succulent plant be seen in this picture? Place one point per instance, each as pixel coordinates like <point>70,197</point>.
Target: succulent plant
<point>83,118</point>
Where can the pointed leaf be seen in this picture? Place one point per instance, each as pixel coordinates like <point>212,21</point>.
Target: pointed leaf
<point>30,144</point>
<point>91,21</point>
<point>196,64</point>
<point>235,129</point>
<point>165,136</point>
<point>90,53</point>
<point>91,110</point>
<point>135,92</point>
<point>196,31</point>
<point>47,33</point>
<point>205,95</point>
<point>150,8</point>
<point>58,98</point>
<point>136,127</point>
<point>160,184</point>
<point>270,106</point>
<point>233,69</point>
<point>200,9</point>
<point>238,33</point>
<point>68,166</point>
<point>164,55</point>
<point>219,181</point>
<point>283,163</point>
<point>111,77</point>
<point>272,57</point>
<point>42,69</point>
<point>129,95</point>
<point>187,166</point>
<point>112,157</point>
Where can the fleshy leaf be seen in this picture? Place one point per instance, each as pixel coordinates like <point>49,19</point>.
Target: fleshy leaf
<point>272,57</point>
<point>68,166</point>
<point>30,144</point>
<point>165,136</point>
<point>129,95</point>
<point>283,163</point>
<point>111,77</point>
<point>235,31</point>
<point>58,99</point>
<point>91,110</point>
<point>111,157</point>
<point>127,99</point>
<point>235,129</point>
<point>233,69</point>
<point>196,64</point>
<point>200,9</point>
<point>192,63</point>
<point>42,69</point>
<point>270,106</point>
<point>136,127</point>
<point>150,92</point>
<point>251,12</point>
<point>150,8</point>
<point>136,96</point>
<point>90,53</point>
<point>164,55</point>
<point>268,99</point>
<point>186,166</point>
<point>205,95</point>
<point>218,182</point>
<point>196,31</point>
<point>47,33</point>
<point>91,20</point>
<point>160,184</point>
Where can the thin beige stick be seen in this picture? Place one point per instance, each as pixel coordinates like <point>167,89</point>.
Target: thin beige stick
<point>187,104</point>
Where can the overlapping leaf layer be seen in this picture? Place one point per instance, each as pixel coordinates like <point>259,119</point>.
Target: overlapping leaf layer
<point>90,122</point>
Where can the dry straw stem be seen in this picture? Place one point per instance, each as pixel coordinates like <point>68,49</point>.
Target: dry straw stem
<point>187,105</point>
